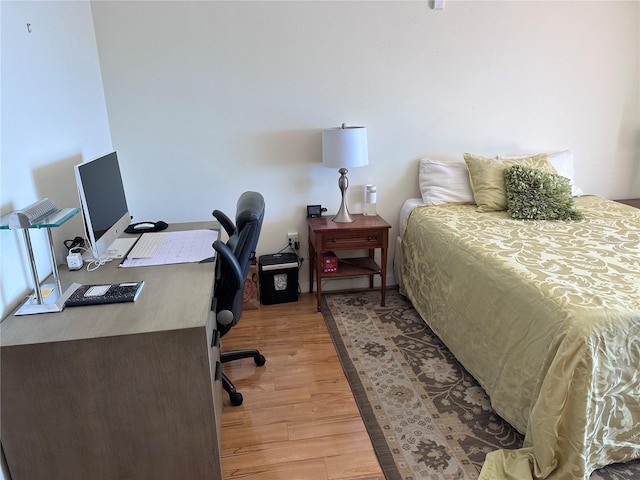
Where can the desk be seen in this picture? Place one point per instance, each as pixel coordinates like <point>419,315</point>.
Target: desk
<point>121,391</point>
<point>365,232</point>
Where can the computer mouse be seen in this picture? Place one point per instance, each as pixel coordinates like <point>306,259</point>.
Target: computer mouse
<point>144,226</point>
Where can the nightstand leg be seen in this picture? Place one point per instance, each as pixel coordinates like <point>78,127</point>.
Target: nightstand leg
<point>318,280</point>
<point>383,275</point>
<point>372,256</point>
<point>315,257</point>
<point>312,266</point>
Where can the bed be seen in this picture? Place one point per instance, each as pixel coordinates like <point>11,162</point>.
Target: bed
<point>545,315</point>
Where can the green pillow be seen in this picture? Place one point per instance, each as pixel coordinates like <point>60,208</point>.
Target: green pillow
<point>487,178</point>
<point>536,195</point>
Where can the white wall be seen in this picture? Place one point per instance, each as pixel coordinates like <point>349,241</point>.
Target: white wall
<point>207,99</point>
<point>53,117</point>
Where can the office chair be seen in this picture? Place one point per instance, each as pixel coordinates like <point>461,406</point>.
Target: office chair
<point>233,263</point>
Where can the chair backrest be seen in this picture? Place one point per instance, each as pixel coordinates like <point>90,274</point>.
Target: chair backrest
<point>235,257</point>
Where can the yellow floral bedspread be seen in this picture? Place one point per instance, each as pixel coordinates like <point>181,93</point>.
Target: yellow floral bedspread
<point>546,316</point>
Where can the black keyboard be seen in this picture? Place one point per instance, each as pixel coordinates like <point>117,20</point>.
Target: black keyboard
<point>105,293</point>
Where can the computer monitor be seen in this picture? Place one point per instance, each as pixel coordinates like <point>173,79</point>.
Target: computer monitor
<point>104,204</point>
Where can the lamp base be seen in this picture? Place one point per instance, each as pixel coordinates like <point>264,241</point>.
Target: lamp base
<point>343,215</point>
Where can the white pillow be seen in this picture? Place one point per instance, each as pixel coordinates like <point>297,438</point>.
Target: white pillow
<point>444,181</point>
<point>562,162</point>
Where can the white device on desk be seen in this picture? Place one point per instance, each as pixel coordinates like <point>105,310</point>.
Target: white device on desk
<point>146,246</point>
<point>144,226</point>
<point>104,206</point>
<point>74,261</point>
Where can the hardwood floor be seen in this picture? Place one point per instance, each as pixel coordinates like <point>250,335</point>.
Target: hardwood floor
<point>299,420</point>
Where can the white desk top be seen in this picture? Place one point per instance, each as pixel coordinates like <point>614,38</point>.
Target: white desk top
<point>174,297</point>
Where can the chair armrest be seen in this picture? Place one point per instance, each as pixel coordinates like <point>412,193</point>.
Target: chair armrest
<point>234,269</point>
<point>225,221</point>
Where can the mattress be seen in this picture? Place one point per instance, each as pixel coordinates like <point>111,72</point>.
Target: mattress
<point>405,211</point>
<point>546,316</point>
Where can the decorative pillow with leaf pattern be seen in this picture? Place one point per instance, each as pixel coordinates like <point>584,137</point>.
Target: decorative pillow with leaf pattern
<point>536,195</point>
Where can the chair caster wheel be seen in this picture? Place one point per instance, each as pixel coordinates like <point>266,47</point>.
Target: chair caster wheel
<point>236,399</point>
<point>260,361</point>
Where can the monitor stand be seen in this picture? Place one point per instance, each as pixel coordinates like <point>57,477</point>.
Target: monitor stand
<point>118,249</point>
<point>121,246</point>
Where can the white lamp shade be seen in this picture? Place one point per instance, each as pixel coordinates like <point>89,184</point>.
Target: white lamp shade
<point>344,147</point>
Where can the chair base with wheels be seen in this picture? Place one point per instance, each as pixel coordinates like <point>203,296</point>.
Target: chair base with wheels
<point>235,396</point>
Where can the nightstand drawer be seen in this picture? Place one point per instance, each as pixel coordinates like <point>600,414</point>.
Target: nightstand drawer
<point>353,240</point>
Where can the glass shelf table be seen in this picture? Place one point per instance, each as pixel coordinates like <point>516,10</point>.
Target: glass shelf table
<point>45,298</point>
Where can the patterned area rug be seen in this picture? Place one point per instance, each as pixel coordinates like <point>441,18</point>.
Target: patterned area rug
<point>426,416</point>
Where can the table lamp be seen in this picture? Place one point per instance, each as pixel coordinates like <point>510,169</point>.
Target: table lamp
<point>344,147</point>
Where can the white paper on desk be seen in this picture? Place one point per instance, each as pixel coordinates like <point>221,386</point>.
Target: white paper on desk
<point>188,246</point>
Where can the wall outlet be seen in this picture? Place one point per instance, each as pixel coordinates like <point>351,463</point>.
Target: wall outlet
<point>292,240</point>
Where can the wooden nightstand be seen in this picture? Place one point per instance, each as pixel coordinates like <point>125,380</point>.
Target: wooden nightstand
<point>365,232</point>
<point>634,202</point>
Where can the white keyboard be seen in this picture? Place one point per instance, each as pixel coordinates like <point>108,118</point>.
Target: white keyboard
<point>146,246</point>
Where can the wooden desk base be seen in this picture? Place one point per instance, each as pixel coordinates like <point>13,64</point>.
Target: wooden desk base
<point>116,391</point>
